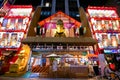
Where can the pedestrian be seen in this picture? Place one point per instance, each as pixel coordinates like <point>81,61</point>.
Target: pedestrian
<point>54,68</point>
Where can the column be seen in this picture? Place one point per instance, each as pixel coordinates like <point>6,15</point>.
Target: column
<point>53,6</point>
<point>42,3</point>
<point>67,7</point>
<point>78,3</point>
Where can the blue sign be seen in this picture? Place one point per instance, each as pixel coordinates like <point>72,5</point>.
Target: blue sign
<point>110,51</point>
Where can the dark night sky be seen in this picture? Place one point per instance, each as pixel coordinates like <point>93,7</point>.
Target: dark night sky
<point>83,3</point>
<point>86,3</point>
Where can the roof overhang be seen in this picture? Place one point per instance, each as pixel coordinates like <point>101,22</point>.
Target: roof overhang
<point>81,41</point>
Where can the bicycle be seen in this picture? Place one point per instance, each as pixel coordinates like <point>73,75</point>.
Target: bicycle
<point>111,75</point>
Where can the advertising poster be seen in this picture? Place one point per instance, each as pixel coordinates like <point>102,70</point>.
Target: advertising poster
<point>13,39</point>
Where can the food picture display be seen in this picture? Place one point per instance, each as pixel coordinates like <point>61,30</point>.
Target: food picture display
<point>14,38</point>
<point>4,41</point>
<point>20,24</point>
<point>114,40</point>
<point>105,25</point>
<point>14,23</point>
<point>99,25</point>
<point>13,28</point>
<point>9,40</point>
<point>106,40</point>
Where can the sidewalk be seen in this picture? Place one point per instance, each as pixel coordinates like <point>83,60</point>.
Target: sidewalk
<point>16,78</point>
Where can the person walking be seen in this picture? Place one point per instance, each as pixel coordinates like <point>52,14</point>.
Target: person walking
<point>54,68</point>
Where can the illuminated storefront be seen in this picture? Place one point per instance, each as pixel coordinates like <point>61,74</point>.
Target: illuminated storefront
<point>13,28</point>
<point>60,35</point>
<point>105,26</point>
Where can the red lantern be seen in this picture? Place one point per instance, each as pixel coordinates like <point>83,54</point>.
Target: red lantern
<point>112,66</point>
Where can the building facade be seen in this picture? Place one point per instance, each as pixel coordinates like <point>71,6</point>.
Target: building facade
<point>69,7</point>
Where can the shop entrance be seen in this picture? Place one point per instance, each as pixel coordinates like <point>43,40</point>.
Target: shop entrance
<point>37,67</point>
<point>67,63</point>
